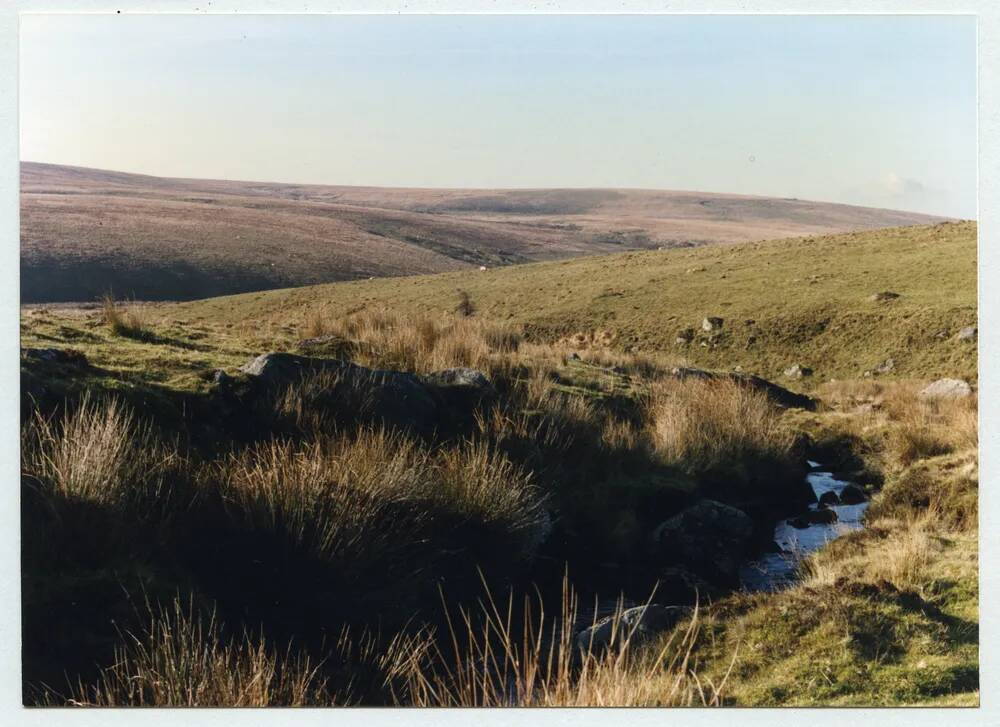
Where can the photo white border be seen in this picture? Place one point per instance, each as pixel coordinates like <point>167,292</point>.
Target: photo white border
<point>11,711</point>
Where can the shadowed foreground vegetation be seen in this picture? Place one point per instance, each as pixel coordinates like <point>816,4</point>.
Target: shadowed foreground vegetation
<point>202,538</point>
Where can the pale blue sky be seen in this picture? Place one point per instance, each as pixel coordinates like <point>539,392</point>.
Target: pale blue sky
<point>868,110</point>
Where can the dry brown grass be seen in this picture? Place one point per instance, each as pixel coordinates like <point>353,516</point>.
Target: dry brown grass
<point>181,662</point>
<point>98,452</point>
<point>127,322</point>
<point>391,340</point>
<point>900,557</point>
<point>908,427</point>
<point>483,485</point>
<point>698,425</point>
<point>335,497</point>
<point>485,660</point>
<point>362,498</point>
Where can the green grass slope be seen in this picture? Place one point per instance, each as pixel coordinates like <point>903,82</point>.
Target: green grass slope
<point>803,301</point>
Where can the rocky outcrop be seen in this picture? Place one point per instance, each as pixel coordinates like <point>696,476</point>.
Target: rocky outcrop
<point>398,399</point>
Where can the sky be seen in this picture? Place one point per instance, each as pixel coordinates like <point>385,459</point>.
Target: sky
<point>871,110</point>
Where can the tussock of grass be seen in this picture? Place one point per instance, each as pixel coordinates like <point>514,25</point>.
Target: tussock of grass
<point>98,453</point>
<point>904,426</point>
<point>182,662</point>
<point>700,425</point>
<point>127,323</point>
<point>362,499</point>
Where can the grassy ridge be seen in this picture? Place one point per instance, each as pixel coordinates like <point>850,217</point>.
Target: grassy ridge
<point>808,298</point>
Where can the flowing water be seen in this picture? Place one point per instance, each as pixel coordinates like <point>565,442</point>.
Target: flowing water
<point>773,571</point>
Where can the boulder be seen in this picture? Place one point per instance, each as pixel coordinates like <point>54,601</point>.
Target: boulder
<point>946,389</point>
<point>709,538</point>
<point>461,387</point>
<point>969,333</point>
<point>883,296</point>
<point>852,495</point>
<point>638,625</point>
<point>712,323</point>
<point>459,378</point>
<point>285,368</point>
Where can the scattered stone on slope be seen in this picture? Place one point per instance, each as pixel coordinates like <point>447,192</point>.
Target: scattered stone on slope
<point>883,296</point>
<point>684,337</point>
<point>969,333</point>
<point>65,356</point>
<point>797,371</point>
<point>709,538</point>
<point>639,625</point>
<point>946,389</point>
<point>886,367</point>
<point>712,323</point>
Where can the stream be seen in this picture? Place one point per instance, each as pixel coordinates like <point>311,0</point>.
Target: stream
<point>773,571</point>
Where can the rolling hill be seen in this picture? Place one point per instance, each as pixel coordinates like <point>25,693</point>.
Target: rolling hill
<point>805,301</point>
<point>86,231</point>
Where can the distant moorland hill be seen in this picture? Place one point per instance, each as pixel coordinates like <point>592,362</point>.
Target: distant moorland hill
<point>87,231</point>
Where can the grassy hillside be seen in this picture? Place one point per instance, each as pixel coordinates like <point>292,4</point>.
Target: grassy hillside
<point>87,231</point>
<point>194,538</point>
<point>803,301</point>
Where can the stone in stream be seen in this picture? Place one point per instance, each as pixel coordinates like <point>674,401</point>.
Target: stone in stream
<point>638,625</point>
<point>709,538</point>
<point>823,516</point>
<point>946,389</point>
<point>852,495</point>
<point>829,498</point>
